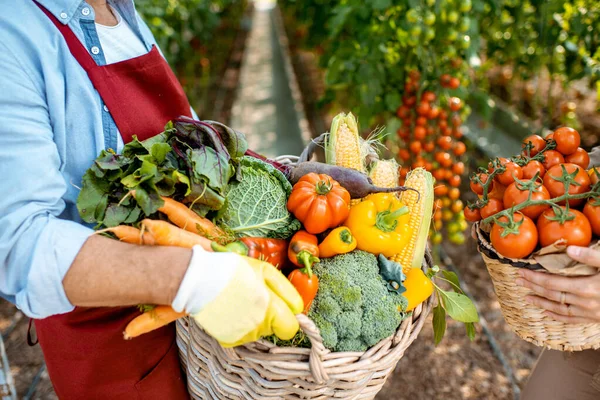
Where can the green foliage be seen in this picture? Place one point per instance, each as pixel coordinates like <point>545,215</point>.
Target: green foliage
<point>257,203</point>
<point>354,309</point>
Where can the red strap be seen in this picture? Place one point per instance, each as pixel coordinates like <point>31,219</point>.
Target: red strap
<point>77,48</point>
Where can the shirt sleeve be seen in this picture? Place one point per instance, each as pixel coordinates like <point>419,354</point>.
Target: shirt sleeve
<point>36,247</point>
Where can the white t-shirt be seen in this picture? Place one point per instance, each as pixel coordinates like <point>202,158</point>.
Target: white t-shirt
<point>119,43</point>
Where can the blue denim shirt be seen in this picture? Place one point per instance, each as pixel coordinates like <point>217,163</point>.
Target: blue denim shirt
<point>53,124</point>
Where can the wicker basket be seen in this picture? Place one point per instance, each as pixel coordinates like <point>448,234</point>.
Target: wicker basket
<point>525,319</point>
<point>262,370</point>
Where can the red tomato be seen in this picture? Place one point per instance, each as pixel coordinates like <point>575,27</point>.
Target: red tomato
<point>454,83</point>
<point>459,168</point>
<point>442,124</point>
<point>404,154</point>
<point>428,96</point>
<point>552,158</point>
<point>497,191</point>
<point>514,195</point>
<point>449,174</point>
<point>439,175</point>
<point>533,167</point>
<point>444,159</point>
<point>459,149</point>
<point>457,133</point>
<point>429,147</point>
<point>516,245</point>
<point>421,121</point>
<point>512,171</point>
<point>403,112</point>
<point>456,120</point>
<point>454,181</point>
<point>420,132</point>
<point>550,136</point>
<point>440,190</point>
<point>577,231</point>
<point>592,212</point>
<point>567,140</point>
<point>476,187</point>
<point>537,144</point>
<point>493,206</point>
<point>443,115</point>
<point>410,101</point>
<point>580,157</point>
<point>473,215</point>
<point>455,103</point>
<point>444,142</point>
<point>423,108</point>
<point>434,112</point>
<point>415,147</point>
<point>557,188</point>
<point>445,80</point>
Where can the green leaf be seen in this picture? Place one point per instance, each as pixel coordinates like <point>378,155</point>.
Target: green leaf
<point>381,4</point>
<point>159,152</point>
<point>115,215</point>
<point>148,202</point>
<point>133,216</point>
<point>471,332</point>
<point>439,323</point>
<point>147,171</point>
<point>209,165</point>
<point>458,306</point>
<point>452,277</point>
<point>92,197</point>
<point>392,101</point>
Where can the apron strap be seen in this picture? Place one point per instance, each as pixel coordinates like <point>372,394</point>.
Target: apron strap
<point>30,341</point>
<point>77,48</point>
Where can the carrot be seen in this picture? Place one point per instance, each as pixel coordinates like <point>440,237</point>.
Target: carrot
<point>151,320</point>
<point>166,234</point>
<point>129,234</point>
<point>179,214</point>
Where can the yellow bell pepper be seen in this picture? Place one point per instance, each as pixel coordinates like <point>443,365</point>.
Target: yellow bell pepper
<point>418,288</point>
<point>380,224</point>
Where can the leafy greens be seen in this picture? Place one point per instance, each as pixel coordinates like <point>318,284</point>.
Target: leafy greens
<point>190,161</point>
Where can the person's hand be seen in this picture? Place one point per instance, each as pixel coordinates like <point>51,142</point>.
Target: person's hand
<point>573,300</point>
<point>238,299</point>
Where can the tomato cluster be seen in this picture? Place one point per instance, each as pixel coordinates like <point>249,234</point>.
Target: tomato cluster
<point>539,197</point>
<point>430,137</point>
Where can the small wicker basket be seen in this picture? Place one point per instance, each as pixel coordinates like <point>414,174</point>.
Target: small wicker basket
<point>262,370</point>
<point>525,319</point>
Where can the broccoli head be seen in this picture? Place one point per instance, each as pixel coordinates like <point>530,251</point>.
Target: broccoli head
<point>353,308</point>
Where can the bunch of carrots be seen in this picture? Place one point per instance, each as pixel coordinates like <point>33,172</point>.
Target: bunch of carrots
<point>187,229</point>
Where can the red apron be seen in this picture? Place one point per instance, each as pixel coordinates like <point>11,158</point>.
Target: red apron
<point>86,355</point>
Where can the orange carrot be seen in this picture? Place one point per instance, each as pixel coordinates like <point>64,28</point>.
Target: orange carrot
<point>166,234</point>
<point>129,234</point>
<point>151,320</point>
<point>179,214</point>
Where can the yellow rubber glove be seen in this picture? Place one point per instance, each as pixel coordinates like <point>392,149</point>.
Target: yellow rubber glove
<point>238,299</point>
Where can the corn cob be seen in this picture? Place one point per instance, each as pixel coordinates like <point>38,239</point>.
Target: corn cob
<point>421,209</point>
<point>384,173</point>
<point>343,146</point>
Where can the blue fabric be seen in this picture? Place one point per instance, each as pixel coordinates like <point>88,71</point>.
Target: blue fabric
<point>52,126</point>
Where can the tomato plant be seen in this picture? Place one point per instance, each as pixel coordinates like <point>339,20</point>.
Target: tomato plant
<point>521,191</point>
<point>563,176</point>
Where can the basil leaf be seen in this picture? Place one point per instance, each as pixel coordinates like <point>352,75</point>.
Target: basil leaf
<point>439,323</point>
<point>458,306</point>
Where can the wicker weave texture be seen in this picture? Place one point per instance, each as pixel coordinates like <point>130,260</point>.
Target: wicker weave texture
<point>528,321</point>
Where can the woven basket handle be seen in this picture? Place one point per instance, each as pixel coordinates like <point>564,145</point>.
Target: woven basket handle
<point>317,351</point>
